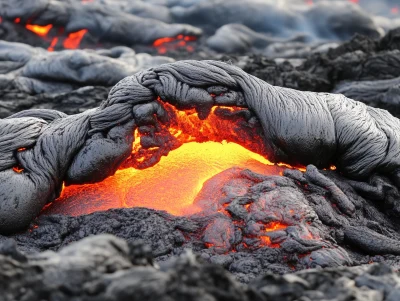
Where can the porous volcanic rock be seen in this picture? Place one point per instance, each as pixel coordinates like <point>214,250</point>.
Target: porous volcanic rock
<point>362,68</point>
<point>107,268</point>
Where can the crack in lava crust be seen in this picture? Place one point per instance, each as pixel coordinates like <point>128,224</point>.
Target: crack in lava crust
<point>170,161</point>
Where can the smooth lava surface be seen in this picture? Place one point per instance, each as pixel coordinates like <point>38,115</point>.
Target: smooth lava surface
<point>171,185</point>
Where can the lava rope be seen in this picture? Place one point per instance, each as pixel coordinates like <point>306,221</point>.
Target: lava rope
<point>41,149</point>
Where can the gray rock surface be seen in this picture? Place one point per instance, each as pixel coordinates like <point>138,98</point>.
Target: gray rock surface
<point>107,268</point>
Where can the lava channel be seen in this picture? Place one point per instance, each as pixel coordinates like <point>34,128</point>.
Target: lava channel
<point>200,150</point>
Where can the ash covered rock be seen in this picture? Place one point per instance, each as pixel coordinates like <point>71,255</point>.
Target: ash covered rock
<point>34,70</point>
<point>107,268</point>
<point>69,80</point>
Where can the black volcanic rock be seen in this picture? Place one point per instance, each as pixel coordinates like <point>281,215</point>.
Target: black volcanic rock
<point>237,230</point>
<point>103,23</point>
<point>107,268</point>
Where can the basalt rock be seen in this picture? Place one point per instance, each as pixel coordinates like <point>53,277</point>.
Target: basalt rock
<point>103,23</point>
<point>69,80</point>
<point>362,69</point>
<point>41,149</point>
<point>34,70</point>
<point>142,23</point>
<point>107,268</point>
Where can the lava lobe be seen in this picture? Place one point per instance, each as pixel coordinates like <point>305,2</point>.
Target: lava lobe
<point>171,160</point>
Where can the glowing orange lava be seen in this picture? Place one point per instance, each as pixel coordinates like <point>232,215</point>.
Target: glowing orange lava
<point>53,44</point>
<point>74,39</point>
<point>18,169</point>
<point>275,226</point>
<point>172,43</point>
<point>39,30</point>
<point>270,227</point>
<point>191,152</point>
<point>171,185</point>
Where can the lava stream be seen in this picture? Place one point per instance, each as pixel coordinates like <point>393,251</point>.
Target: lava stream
<point>171,185</point>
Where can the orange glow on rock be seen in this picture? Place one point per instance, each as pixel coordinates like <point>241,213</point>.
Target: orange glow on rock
<point>74,39</point>
<point>39,30</point>
<point>18,169</point>
<point>172,43</point>
<point>270,227</point>
<point>17,20</point>
<point>290,166</point>
<point>275,226</point>
<point>161,41</point>
<point>53,44</point>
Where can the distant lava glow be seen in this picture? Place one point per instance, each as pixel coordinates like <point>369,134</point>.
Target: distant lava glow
<point>71,41</point>
<point>163,45</point>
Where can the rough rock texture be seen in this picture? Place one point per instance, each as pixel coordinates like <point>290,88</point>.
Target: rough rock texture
<point>106,268</point>
<point>103,23</point>
<point>109,23</point>
<point>70,80</point>
<point>34,70</point>
<point>362,69</point>
<point>252,224</point>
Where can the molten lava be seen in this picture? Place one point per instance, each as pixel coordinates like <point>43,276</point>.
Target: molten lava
<point>39,30</point>
<point>271,227</point>
<point>171,185</point>
<point>191,152</point>
<point>166,44</point>
<point>74,39</point>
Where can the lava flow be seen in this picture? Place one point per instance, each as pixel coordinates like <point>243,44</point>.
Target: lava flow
<point>200,149</point>
<point>72,41</point>
<point>163,45</point>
